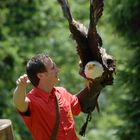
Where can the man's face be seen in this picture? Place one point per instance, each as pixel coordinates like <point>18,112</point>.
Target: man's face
<point>52,71</point>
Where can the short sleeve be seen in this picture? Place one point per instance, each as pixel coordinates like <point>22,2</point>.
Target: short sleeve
<point>26,116</point>
<point>74,102</point>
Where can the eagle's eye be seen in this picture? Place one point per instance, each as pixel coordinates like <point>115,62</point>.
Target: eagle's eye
<point>90,66</point>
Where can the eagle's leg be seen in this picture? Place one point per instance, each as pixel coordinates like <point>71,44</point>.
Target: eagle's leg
<point>88,83</point>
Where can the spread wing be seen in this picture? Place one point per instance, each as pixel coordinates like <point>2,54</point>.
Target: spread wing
<point>88,40</point>
<point>94,40</point>
<point>79,33</point>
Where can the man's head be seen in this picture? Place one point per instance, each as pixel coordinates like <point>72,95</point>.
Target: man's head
<point>41,68</point>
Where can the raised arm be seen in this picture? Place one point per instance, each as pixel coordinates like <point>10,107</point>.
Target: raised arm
<point>19,95</point>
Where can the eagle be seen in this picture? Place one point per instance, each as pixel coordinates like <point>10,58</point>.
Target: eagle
<point>91,54</point>
<point>93,70</point>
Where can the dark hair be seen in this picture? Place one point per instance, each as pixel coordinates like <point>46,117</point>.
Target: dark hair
<point>35,65</point>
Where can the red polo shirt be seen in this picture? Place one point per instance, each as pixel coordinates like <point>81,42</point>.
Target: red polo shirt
<point>42,114</point>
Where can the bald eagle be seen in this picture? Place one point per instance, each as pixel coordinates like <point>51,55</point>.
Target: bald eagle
<point>91,54</point>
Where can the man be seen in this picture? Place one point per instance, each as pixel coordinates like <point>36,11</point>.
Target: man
<point>38,107</point>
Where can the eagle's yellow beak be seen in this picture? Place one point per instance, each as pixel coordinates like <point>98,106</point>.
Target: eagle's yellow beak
<point>90,66</point>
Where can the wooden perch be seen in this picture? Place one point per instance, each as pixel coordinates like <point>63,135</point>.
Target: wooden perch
<point>6,132</point>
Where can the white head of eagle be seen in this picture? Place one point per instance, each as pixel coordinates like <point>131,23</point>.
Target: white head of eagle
<point>93,69</point>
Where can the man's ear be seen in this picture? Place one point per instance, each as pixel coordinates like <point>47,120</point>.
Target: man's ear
<point>40,75</point>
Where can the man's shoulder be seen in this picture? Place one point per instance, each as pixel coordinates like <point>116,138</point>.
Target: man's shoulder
<point>30,93</point>
<point>60,88</point>
<point>62,91</point>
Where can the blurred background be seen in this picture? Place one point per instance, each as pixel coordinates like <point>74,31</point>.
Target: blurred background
<point>28,27</point>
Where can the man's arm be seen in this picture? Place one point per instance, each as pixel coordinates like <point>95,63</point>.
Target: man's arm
<point>19,95</point>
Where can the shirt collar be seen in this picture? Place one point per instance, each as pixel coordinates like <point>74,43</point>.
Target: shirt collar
<point>43,94</point>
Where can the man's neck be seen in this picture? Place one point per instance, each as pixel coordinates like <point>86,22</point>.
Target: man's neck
<point>46,88</point>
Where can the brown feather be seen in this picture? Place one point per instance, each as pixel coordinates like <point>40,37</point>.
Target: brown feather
<point>89,43</point>
<point>89,48</point>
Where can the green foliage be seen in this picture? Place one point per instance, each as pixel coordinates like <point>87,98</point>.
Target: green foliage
<point>24,26</point>
<point>125,19</point>
<point>28,27</point>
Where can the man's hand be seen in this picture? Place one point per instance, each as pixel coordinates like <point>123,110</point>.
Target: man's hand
<point>23,81</point>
